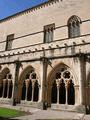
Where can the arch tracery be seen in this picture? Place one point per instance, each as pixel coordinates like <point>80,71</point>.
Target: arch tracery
<point>30,84</point>
<point>74,26</point>
<point>62,82</point>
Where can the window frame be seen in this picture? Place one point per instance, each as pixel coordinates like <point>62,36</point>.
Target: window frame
<point>74,26</point>
<point>49,33</point>
<point>9,41</point>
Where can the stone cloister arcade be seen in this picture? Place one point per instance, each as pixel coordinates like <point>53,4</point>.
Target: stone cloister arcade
<point>28,85</point>
<point>61,86</point>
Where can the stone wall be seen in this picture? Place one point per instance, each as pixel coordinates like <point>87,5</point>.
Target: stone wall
<point>33,21</point>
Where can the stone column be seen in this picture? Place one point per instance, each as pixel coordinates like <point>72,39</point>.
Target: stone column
<point>82,78</point>
<point>57,94</point>
<point>26,82</point>
<point>33,82</point>
<point>15,92</point>
<point>4,83</point>
<point>66,94</point>
<point>76,87</point>
<point>49,94</point>
<point>8,88</point>
<point>44,63</point>
<point>57,82</point>
<point>0,89</point>
<point>66,87</point>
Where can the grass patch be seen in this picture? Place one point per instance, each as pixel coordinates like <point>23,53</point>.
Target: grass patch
<point>10,113</point>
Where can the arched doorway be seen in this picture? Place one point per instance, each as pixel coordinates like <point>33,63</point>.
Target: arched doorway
<point>62,86</point>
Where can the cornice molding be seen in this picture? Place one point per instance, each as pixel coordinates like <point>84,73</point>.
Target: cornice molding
<point>33,9</point>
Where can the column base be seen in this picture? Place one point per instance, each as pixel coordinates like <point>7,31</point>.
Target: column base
<point>87,109</point>
<point>42,105</point>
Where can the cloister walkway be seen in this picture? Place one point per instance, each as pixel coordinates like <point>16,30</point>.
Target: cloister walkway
<point>49,114</point>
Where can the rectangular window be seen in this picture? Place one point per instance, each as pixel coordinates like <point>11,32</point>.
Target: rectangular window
<point>48,33</point>
<point>9,42</point>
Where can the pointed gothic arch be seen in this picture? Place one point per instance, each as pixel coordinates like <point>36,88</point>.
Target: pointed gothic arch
<point>4,83</point>
<point>4,73</point>
<point>25,74</point>
<point>27,90</point>
<point>74,26</point>
<point>61,74</point>
<point>55,68</point>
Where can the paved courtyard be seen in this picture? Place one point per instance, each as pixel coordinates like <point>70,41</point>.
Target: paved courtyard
<point>49,114</point>
<point>54,115</point>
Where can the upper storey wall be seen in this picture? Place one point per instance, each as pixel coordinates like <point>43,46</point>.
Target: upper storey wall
<point>33,21</point>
